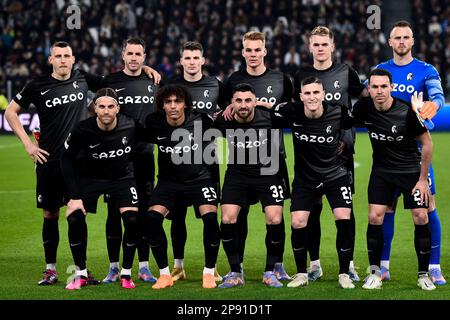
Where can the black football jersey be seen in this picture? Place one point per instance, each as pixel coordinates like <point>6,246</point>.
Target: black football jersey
<point>316,141</point>
<point>180,149</point>
<point>272,86</point>
<point>105,154</point>
<point>393,135</point>
<point>207,93</point>
<point>60,104</point>
<point>252,148</point>
<point>136,99</point>
<point>340,82</point>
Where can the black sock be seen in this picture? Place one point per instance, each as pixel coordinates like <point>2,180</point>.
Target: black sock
<point>344,244</point>
<point>230,245</point>
<point>211,238</point>
<point>299,240</point>
<point>353,233</point>
<point>274,244</point>
<point>77,238</point>
<point>50,239</point>
<point>130,237</point>
<point>242,231</point>
<point>113,232</point>
<point>283,239</point>
<point>178,231</point>
<point>314,231</point>
<point>157,238</point>
<point>143,248</point>
<point>374,243</point>
<point>422,243</point>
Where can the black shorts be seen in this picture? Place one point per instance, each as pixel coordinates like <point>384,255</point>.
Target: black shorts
<point>382,187</point>
<point>51,190</point>
<point>144,172</point>
<point>337,191</point>
<point>170,193</point>
<point>268,189</point>
<point>284,175</point>
<point>122,191</point>
<point>350,165</point>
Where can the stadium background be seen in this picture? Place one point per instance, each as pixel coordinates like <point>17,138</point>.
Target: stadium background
<point>28,28</point>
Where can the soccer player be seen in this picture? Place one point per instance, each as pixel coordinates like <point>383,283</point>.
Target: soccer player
<point>341,83</point>
<point>273,87</point>
<point>409,75</point>
<point>253,166</point>
<point>182,174</point>
<point>60,101</point>
<point>136,94</point>
<point>207,95</point>
<point>96,161</point>
<point>397,164</point>
<point>319,169</point>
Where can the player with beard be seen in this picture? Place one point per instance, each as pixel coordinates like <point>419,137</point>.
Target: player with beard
<point>207,95</point>
<point>253,169</point>
<point>103,144</point>
<point>409,75</point>
<point>273,87</point>
<point>341,83</point>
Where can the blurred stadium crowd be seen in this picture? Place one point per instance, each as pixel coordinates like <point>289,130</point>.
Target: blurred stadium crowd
<point>28,27</point>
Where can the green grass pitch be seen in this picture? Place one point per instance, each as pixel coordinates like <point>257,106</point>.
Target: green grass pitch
<point>22,258</point>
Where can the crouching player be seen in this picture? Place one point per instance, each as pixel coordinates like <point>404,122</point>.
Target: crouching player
<point>95,162</point>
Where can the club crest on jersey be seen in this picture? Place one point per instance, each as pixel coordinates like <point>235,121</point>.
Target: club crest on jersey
<point>269,89</point>
<point>206,93</point>
<point>150,88</point>
<point>409,76</point>
<point>125,141</point>
<point>394,129</point>
<point>75,85</point>
<point>329,129</point>
<point>336,84</point>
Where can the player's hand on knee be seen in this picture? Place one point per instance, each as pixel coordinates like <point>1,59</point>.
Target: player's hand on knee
<point>429,110</point>
<point>424,190</point>
<point>74,205</point>
<point>36,154</point>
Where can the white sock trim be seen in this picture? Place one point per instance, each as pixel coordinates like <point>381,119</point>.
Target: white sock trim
<point>384,263</point>
<point>178,263</point>
<point>208,270</point>
<point>165,271</point>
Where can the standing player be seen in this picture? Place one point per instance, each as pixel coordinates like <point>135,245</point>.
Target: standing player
<point>253,166</point>
<point>316,130</point>
<point>136,94</point>
<point>409,75</point>
<point>341,83</point>
<point>397,164</point>
<point>103,145</point>
<point>207,95</point>
<point>60,101</point>
<point>273,87</point>
<point>182,174</point>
